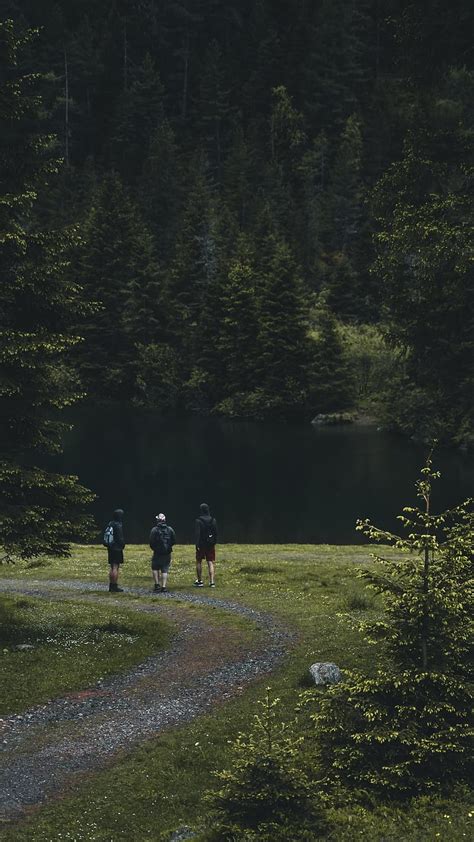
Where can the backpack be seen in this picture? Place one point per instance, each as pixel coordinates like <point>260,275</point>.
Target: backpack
<point>162,540</point>
<point>208,533</point>
<point>109,537</point>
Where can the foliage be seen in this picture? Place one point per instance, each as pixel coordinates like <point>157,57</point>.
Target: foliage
<point>266,794</point>
<point>40,511</point>
<point>371,361</point>
<point>331,379</point>
<point>396,735</point>
<point>428,591</point>
<point>158,381</point>
<point>337,120</point>
<point>423,206</point>
<point>408,729</point>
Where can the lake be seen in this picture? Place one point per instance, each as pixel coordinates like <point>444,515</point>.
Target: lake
<point>265,483</point>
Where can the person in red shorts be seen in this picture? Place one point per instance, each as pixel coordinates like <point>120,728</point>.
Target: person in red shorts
<point>206,539</point>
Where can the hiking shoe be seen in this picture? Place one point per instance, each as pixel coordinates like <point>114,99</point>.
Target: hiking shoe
<point>198,584</point>
<point>164,590</point>
<point>115,589</point>
<point>156,589</point>
<point>212,584</point>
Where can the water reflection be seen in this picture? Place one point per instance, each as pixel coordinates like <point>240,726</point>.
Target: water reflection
<point>265,482</point>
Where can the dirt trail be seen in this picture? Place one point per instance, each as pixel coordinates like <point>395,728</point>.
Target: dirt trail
<point>45,747</point>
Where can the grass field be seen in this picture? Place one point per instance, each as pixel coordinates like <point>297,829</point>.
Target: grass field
<point>159,787</point>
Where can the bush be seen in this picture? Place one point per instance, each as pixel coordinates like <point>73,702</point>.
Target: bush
<point>267,794</point>
<point>396,736</point>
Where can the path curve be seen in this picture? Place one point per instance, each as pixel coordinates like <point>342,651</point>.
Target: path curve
<point>45,747</point>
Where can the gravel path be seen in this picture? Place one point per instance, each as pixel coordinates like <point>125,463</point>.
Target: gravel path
<point>46,746</point>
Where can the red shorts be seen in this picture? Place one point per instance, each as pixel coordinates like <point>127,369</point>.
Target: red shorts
<point>208,553</point>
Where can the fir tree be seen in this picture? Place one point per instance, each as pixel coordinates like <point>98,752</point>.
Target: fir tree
<point>140,114</point>
<point>408,729</point>
<point>160,189</point>
<point>331,387</point>
<point>423,205</point>
<point>238,341</point>
<point>41,511</point>
<point>120,273</point>
<point>195,263</point>
<point>213,106</point>
<point>283,342</point>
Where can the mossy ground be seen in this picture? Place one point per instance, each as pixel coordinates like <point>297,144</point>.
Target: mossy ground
<point>160,786</point>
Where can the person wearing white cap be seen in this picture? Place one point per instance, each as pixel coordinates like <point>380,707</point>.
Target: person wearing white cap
<point>162,540</point>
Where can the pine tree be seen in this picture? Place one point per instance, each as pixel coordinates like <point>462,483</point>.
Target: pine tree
<point>195,263</point>
<point>140,114</point>
<point>311,221</point>
<point>283,342</point>
<point>160,189</point>
<point>266,794</point>
<point>424,207</point>
<point>40,511</point>
<point>336,60</point>
<point>120,272</point>
<point>408,729</point>
<point>346,188</point>
<point>238,341</point>
<point>331,387</point>
<point>213,107</point>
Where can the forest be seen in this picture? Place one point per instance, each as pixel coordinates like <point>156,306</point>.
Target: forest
<point>256,209</point>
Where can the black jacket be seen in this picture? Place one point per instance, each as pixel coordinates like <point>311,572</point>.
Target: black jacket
<point>119,542</point>
<point>152,537</point>
<point>204,524</point>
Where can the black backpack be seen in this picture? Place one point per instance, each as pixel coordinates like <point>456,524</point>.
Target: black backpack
<point>208,533</point>
<point>162,542</point>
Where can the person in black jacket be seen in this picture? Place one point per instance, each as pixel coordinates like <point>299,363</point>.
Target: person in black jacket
<point>205,539</point>
<point>115,551</point>
<point>162,541</point>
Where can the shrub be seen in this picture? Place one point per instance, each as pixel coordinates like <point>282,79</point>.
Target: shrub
<point>267,794</point>
<point>396,735</point>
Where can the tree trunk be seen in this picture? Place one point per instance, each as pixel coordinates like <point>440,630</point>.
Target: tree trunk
<point>66,109</point>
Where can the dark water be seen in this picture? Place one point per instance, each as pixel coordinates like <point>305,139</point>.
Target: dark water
<point>264,482</point>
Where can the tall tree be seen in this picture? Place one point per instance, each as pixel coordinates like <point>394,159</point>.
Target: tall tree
<point>424,208</point>
<point>283,360</point>
<point>40,511</point>
<point>119,272</point>
<point>140,113</point>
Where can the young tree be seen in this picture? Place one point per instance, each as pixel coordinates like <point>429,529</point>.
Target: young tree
<point>40,511</point>
<point>408,729</point>
<point>266,795</point>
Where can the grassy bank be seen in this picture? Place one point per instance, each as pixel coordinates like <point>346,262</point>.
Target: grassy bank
<point>160,786</point>
<point>51,648</point>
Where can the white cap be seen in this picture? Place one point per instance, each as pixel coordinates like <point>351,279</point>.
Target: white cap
<point>161,517</point>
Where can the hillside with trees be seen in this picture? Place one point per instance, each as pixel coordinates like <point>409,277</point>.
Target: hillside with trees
<point>272,202</point>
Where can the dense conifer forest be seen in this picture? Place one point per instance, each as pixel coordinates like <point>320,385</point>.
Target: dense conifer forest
<point>264,208</point>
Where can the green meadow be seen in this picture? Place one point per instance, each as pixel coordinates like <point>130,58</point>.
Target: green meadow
<point>160,786</point>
